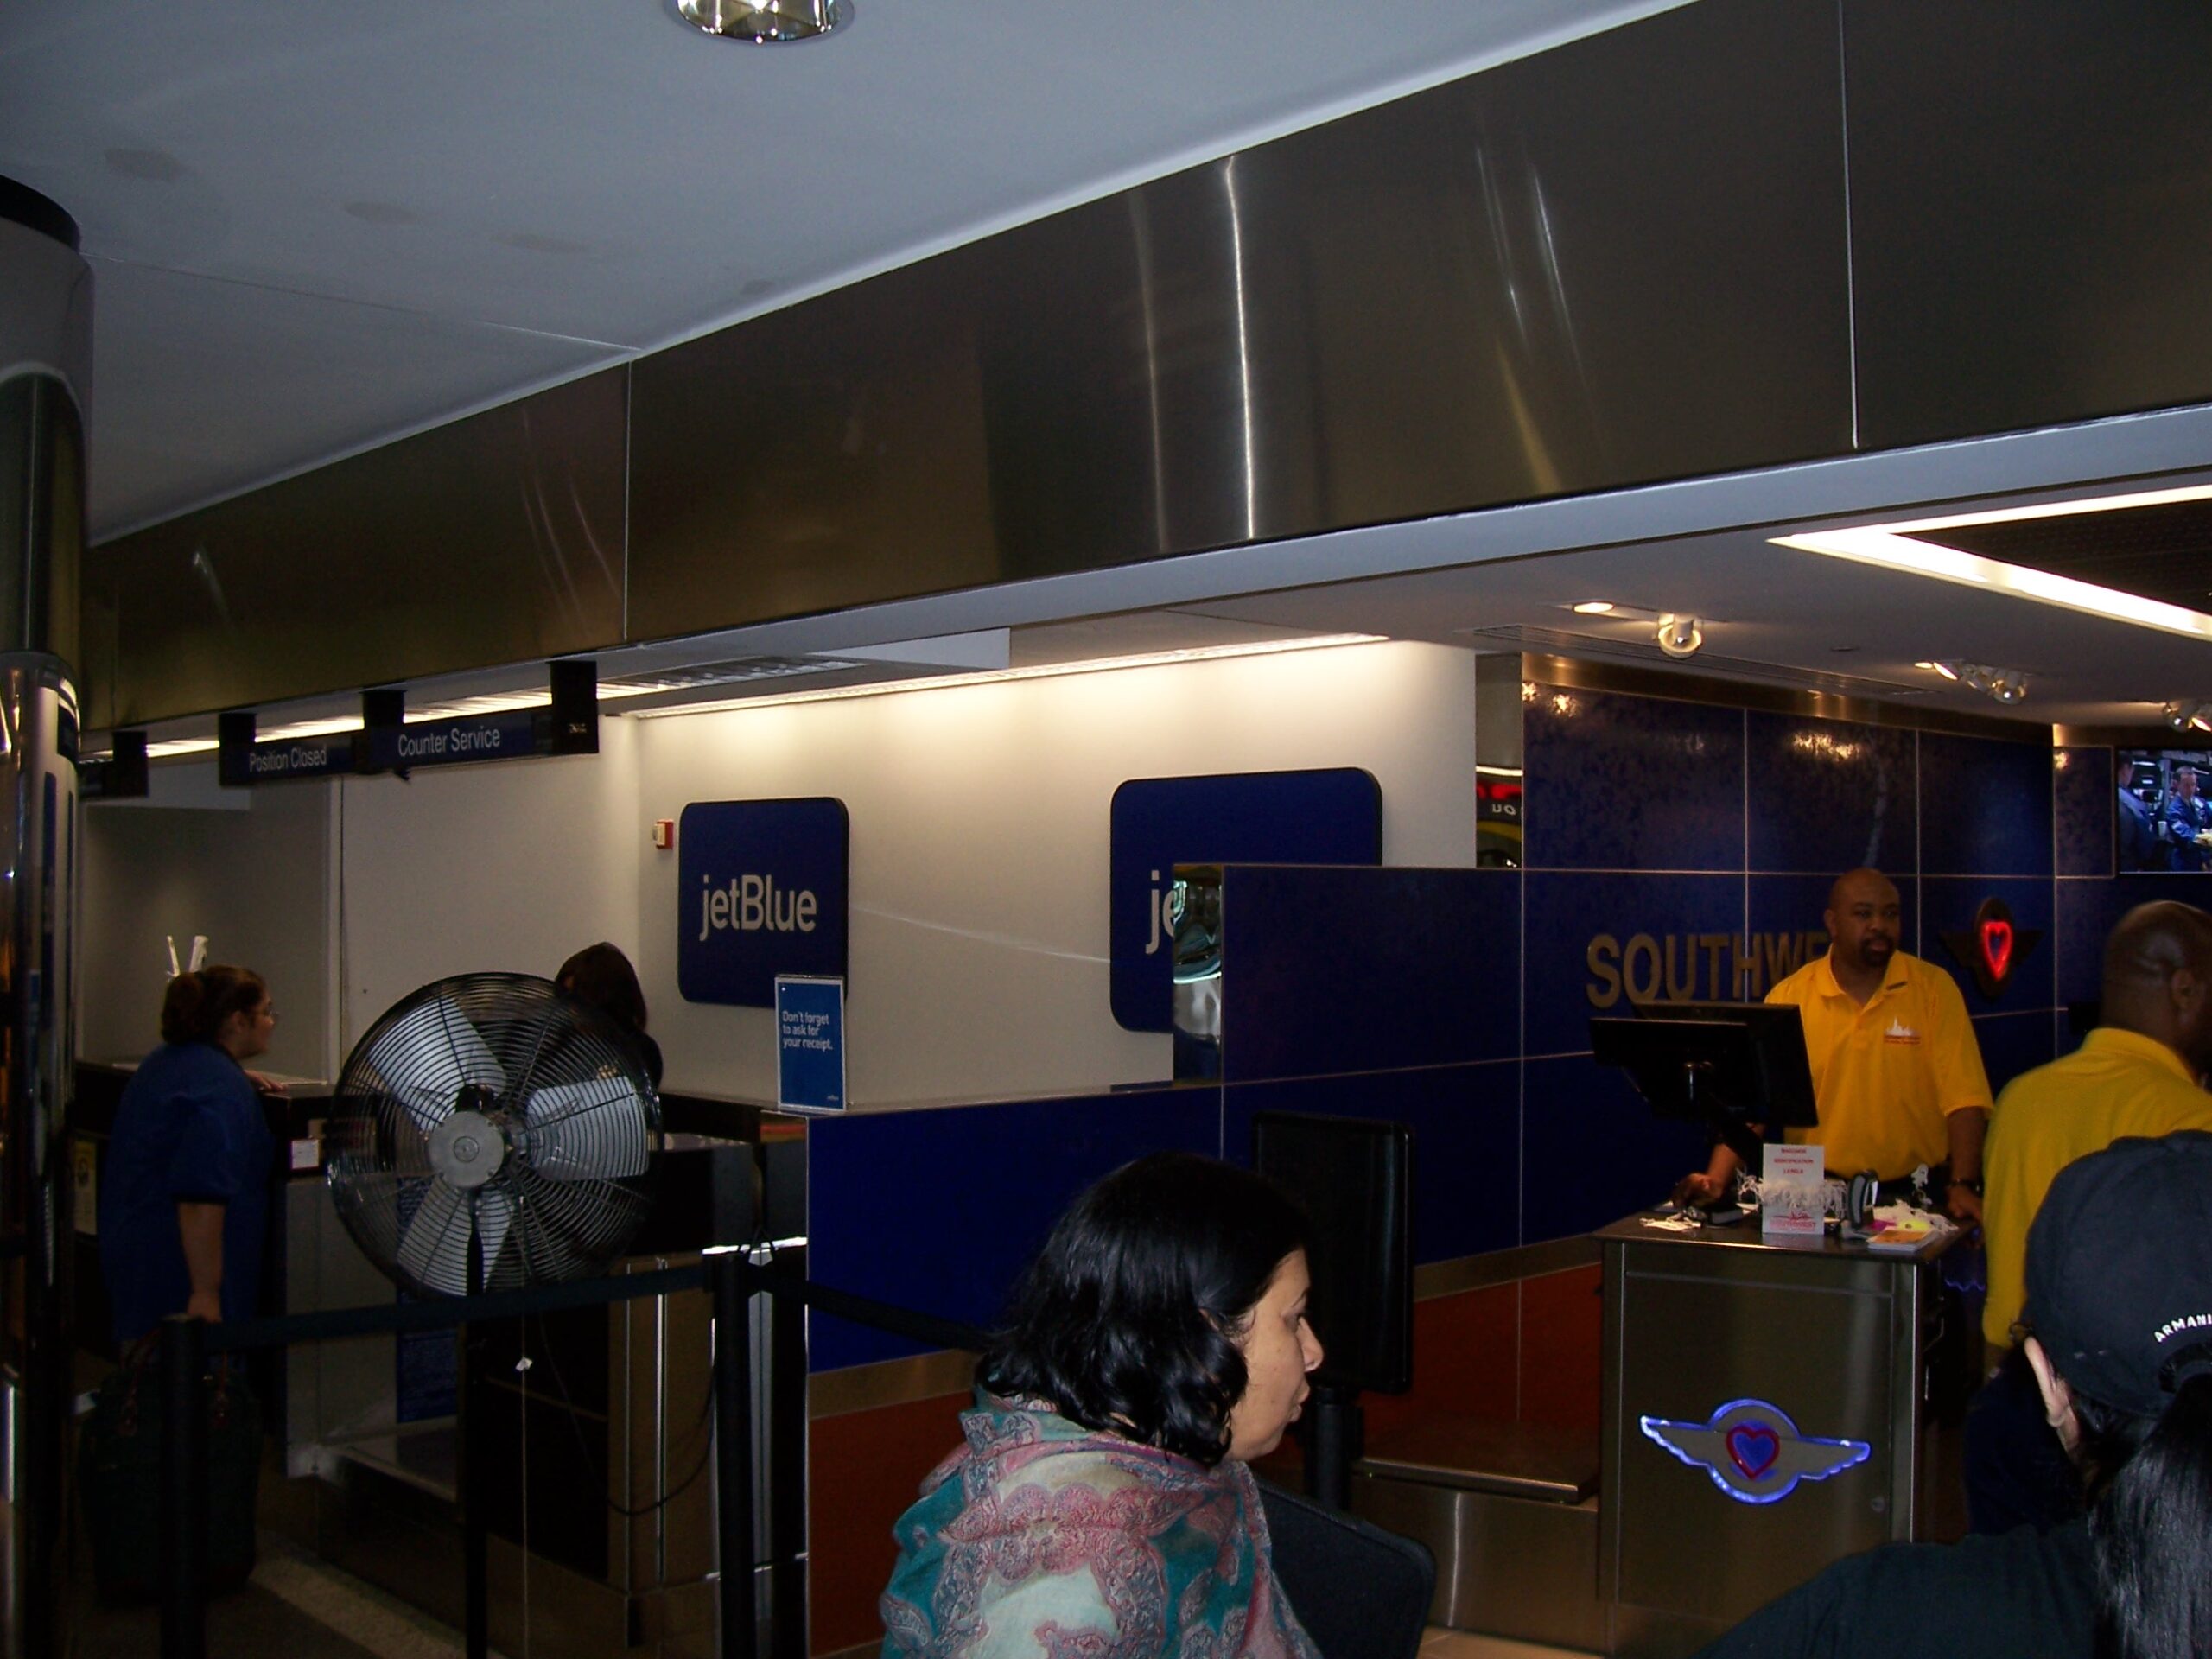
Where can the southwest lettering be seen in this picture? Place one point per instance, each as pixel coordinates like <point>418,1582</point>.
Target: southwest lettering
<point>1604,957</point>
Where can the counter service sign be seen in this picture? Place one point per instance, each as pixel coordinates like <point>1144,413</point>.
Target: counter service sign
<point>1753,1451</point>
<point>1331,815</point>
<point>761,891</point>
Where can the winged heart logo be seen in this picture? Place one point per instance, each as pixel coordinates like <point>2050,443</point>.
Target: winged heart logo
<point>1753,1451</point>
<point>1991,946</point>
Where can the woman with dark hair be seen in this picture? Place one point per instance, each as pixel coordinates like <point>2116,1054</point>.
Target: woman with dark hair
<point>602,976</point>
<point>2119,1297</point>
<point>1101,1501</point>
<point>184,1195</point>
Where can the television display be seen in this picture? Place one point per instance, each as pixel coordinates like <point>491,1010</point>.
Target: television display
<point>2165,810</point>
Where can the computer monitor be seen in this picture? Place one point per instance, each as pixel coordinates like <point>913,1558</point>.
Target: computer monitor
<point>1730,1064</point>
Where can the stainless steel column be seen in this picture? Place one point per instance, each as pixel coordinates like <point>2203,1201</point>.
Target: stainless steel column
<point>45,379</point>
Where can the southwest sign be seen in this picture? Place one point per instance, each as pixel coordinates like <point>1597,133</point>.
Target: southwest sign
<point>761,892</point>
<point>1331,815</point>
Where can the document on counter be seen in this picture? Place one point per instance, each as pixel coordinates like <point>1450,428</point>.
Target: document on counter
<point>1792,1196</point>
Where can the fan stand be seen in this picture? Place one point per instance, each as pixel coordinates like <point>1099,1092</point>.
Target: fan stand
<point>474,1534</point>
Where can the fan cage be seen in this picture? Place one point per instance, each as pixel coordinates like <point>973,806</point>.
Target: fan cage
<point>563,1107</point>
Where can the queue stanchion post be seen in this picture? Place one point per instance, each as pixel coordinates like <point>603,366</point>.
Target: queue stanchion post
<point>734,1471</point>
<point>182,1358</point>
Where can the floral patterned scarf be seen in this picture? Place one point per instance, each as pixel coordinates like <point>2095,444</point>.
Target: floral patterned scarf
<point>1040,1537</point>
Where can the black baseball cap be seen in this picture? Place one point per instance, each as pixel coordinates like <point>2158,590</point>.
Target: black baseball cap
<point>2120,1271</point>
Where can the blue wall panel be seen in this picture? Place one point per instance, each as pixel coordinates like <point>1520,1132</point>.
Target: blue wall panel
<point>2013,1043</point>
<point>2083,793</point>
<point>940,1210</point>
<point>1985,807</point>
<point>1621,782</point>
<point>1351,970</point>
<point>1467,1125</point>
<point>1591,1150</point>
<point>1827,795</point>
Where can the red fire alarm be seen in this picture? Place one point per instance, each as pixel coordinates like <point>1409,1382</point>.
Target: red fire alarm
<point>664,833</point>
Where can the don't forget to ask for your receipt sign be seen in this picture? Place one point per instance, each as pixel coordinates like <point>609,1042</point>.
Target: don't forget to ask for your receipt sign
<point>762,890</point>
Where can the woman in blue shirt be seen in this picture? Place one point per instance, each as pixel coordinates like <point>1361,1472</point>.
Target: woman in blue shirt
<point>184,1195</point>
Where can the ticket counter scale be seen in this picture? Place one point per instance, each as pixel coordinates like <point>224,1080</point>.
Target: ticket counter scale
<point>1762,1416</point>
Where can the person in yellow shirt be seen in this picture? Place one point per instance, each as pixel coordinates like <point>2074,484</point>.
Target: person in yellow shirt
<point>2137,1074</point>
<point>1897,1077</point>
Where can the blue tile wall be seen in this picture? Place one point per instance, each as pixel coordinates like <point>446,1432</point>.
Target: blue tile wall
<point>1591,1150</point>
<point>1467,1125</point>
<point>1985,807</point>
<point>1354,970</point>
<point>1567,912</point>
<point>2087,911</point>
<point>1825,796</point>
<point>940,1209</point>
<point>2013,1043</point>
<point>1631,782</point>
<point>2081,802</point>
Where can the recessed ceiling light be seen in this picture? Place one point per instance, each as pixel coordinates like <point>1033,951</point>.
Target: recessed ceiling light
<point>767,23</point>
<point>1594,607</point>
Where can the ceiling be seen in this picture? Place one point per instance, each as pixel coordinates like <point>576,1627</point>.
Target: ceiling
<point>315,228</point>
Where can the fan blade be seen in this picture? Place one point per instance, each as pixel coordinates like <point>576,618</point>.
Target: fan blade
<point>594,1131</point>
<point>494,1213</point>
<point>429,1056</point>
<point>434,1249</point>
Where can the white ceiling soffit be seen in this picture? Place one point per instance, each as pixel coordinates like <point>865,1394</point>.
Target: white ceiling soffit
<point>314,228</point>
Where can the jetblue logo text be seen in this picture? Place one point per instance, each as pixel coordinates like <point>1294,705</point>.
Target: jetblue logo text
<point>761,892</point>
<point>750,903</point>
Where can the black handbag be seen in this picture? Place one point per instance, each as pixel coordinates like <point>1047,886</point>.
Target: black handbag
<point>119,1479</point>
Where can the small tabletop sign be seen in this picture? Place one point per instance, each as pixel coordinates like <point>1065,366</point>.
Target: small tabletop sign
<point>810,1043</point>
<point>1792,1201</point>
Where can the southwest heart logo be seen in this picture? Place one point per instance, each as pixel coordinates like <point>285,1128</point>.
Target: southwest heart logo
<point>1753,1448</point>
<point>1993,946</point>
<point>1752,1451</point>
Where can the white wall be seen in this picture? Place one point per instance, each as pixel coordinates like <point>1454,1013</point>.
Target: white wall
<point>979,862</point>
<point>253,877</point>
<point>473,869</point>
<point>980,839</point>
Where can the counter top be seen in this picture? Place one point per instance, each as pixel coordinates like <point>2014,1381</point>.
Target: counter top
<point>1745,1235</point>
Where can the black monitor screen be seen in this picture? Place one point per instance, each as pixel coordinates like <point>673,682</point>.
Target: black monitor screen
<point>1739,1061</point>
<point>2164,821</point>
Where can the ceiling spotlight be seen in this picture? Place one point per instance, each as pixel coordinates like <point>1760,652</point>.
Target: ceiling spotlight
<point>2007,686</point>
<point>767,23</point>
<point>1680,636</point>
<point>1949,671</point>
<point>1594,607</point>
<point>2189,716</point>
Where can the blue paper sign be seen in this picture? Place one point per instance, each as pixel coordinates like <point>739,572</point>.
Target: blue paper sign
<point>811,1045</point>
<point>761,891</point>
<point>1332,816</point>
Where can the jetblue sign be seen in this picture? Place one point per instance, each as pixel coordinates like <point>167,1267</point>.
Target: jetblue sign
<point>760,891</point>
<point>1328,817</point>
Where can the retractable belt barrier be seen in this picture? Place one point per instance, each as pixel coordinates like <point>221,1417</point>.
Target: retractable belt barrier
<point>185,1346</point>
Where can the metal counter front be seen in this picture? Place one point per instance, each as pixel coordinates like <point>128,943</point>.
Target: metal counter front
<point>1762,1418</point>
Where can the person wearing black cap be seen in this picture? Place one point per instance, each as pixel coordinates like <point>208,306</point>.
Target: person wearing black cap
<point>2120,1300</point>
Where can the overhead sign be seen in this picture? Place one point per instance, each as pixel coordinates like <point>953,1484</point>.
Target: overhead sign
<point>506,736</point>
<point>1327,816</point>
<point>280,758</point>
<point>810,1045</point>
<point>761,891</point>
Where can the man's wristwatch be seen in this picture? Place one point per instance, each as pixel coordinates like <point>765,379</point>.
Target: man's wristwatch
<point>1972,1186</point>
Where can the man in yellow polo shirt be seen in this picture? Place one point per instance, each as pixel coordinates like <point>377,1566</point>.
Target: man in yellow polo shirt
<point>1897,1075</point>
<point>2136,1074</point>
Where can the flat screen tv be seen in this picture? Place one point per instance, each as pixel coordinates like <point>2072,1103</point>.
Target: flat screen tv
<point>2164,808</point>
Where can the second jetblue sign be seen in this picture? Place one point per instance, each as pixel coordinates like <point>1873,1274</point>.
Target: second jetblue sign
<point>761,891</point>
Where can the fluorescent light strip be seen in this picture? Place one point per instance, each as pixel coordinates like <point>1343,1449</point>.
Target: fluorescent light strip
<point>1891,550</point>
<point>998,676</point>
